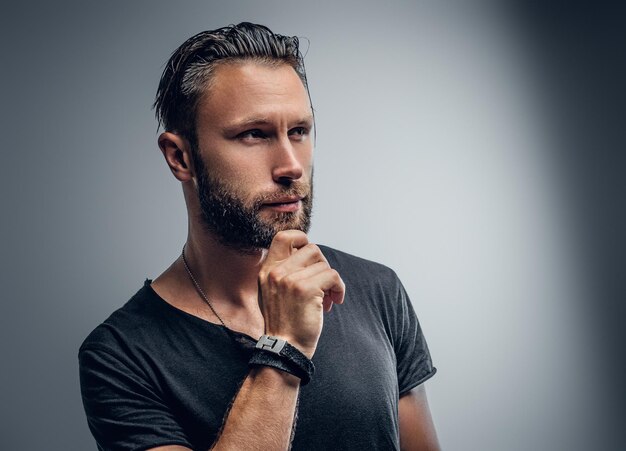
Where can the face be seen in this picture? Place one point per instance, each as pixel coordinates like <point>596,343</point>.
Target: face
<point>254,171</point>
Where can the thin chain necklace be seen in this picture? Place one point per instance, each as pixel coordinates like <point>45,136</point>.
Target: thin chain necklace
<point>204,296</point>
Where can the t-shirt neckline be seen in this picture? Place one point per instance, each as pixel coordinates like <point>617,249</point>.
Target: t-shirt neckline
<point>147,285</point>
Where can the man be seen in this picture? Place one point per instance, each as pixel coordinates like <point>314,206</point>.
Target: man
<point>237,345</point>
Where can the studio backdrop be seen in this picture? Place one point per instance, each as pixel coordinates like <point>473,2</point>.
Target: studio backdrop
<point>443,150</point>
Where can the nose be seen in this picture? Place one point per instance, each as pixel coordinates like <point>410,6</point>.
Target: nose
<point>287,167</point>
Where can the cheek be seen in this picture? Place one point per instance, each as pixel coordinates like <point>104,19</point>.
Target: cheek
<point>306,157</point>
<point>307,164</point>
<point>237,182</point>
<point>236,170</point>
<point>245,176</point>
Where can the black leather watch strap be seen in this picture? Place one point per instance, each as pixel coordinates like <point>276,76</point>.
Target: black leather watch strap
<point>278,353</point>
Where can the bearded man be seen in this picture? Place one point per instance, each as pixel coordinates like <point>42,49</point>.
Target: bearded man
<point>236,345</point>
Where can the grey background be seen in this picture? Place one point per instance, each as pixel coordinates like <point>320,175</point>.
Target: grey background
<point>471,146</point>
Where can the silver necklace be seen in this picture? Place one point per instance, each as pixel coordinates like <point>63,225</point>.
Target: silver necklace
<point>204,297</point>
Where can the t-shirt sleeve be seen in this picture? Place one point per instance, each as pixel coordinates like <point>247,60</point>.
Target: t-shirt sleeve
<point>124,412</point>
<point>413,362</point>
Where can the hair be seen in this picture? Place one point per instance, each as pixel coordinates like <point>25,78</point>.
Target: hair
<point>189,71</point>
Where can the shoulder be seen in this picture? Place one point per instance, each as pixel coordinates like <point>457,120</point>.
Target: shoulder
<point>349,261</point>
<point>125,324</point>
<point>360,270</point>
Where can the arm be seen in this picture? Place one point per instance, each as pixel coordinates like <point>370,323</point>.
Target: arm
<point>262,413</point>
<point>417,431</point>
<point>296,285</point>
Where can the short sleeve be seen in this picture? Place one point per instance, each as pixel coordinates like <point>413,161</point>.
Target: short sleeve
<point>123,411</point>
<point>413,362</point>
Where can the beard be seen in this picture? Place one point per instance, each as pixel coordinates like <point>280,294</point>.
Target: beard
<point>238,225</point>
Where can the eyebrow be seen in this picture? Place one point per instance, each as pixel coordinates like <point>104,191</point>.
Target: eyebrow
<point>259,121</point>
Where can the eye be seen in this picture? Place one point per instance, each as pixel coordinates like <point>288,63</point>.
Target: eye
<point>299,133</point>
<point>252,135</point>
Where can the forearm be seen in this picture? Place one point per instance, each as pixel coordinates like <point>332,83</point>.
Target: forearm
<point>296,284</point>
<point>262,414</point>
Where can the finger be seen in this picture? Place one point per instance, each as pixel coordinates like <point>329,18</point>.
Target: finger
<point>307,272</point>
<point>284,244</point>
<point>309,276</point>
<point>331,283</point>
<point>336,297</point>
<point>303,258</point>
<point>327,303</point>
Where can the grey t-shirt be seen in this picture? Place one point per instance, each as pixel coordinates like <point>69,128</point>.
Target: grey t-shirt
<point>153,375</point>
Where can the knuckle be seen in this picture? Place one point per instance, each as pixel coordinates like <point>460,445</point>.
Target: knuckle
<point>286,235</point>
<point>290,284</point>
<point>313,247</point>
<point>281,235</point>
<point>321,266</point>
<point>274,276</point>
<point>315,250</point>
<point>287,281</point>
<point>294,286</point>
<point>299,290</point>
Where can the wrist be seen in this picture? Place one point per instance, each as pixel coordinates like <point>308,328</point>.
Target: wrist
<point>276,352</point>
<point>273,376</point>
<point>308,349</point>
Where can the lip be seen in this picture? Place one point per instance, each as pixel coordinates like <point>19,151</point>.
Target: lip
<point>285,200</point>
<point>285,204</point>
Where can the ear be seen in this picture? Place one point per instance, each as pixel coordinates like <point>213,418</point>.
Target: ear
<point>177,153</point>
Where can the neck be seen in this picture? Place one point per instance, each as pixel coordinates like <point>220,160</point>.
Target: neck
<point>224,274</point>
<point>227,277</point>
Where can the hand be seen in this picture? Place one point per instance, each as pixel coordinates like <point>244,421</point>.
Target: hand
<point>296,285</point>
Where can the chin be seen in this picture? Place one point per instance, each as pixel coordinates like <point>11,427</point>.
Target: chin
<point>290,221</point>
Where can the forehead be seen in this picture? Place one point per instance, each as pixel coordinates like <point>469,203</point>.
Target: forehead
<point>242,90</point>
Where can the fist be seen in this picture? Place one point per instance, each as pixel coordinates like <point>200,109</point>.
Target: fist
<point>296,286</point>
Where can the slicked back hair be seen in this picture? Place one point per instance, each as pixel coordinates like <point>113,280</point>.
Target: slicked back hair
<point>188,73</point>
